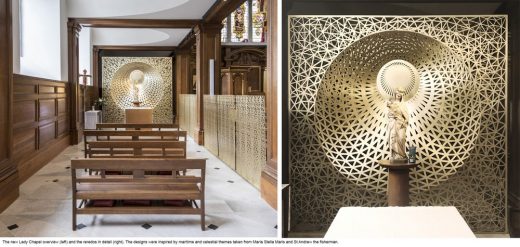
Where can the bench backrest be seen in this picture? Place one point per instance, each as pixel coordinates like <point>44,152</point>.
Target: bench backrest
<point>135,126</point>
<point>136,149</point>
<point>167,135</point>
<point>137,167</point>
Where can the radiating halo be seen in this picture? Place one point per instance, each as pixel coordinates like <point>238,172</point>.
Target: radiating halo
<point>398,74</point>
<point>351,114</point>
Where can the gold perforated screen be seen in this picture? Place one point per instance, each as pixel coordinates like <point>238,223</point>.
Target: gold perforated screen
<point>156,91</point>
<point>457,115</point>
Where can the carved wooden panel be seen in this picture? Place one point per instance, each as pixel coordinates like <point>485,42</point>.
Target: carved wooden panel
<point>45,89</point>
<point>41,122</point>
<point>62,106</point>
<point>46,134</point>
<point>62,128</point>
<point>47,108</point>
<point>25,112</point>
<point>24,89</point>
<point>24,141</point>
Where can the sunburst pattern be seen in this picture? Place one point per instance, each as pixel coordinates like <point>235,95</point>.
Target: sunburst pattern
<point>458,115</point>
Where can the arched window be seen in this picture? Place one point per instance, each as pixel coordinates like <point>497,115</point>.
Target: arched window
<point>246,24</point>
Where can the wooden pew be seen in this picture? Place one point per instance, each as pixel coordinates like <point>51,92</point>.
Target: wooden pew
<point>117,126</point>
<point>136,149</point>
<point>138,186</point>
<point>131,135</point>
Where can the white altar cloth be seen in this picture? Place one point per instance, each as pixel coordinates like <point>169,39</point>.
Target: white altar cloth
<point>398,222</point>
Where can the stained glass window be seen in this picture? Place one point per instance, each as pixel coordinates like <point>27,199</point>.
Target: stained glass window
<point>246,24</point>
<point>258,21</point>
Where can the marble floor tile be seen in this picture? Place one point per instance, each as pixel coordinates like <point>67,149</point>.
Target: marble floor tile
<point>44,208</point>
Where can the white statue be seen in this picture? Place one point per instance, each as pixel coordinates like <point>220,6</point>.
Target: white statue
<point>396,129</point>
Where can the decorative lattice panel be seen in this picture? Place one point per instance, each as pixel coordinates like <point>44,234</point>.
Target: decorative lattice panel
<point>210,123</point>
<point>156,89</point>
<point>181,112</point>
<point>251,138</point>
<point>457,115</point>
<point>187,113</point>
<point>226,129</point>
<point>191,107</point>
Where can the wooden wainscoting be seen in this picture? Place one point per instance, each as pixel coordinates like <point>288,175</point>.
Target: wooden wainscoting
<point>40,122</point>
<point>8,174</point>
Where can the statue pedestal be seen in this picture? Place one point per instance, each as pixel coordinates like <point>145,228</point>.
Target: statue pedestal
<point>398,182</point>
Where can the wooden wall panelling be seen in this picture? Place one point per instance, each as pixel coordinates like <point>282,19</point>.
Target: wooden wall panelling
<point>8,172</point>
<point>268,182</point>
<point>40,128</point>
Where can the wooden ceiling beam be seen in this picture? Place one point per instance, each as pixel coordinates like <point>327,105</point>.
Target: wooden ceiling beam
<point>134,23</point>
<point>220,10</point>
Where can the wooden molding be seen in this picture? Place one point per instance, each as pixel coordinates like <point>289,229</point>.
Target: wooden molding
<point>134,23</point>
<point>188,41</point>
<point>134,48</point>
<point>221,9</point>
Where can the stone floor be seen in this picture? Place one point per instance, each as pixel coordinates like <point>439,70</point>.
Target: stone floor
<point>44,208</point>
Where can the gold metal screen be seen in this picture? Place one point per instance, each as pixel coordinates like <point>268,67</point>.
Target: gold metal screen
<point>251,138</point>
<point>187,113</point>
<point>226,129</point>
<point>237,124</point>
<point>210,123</point>
<point>156,89</point>
<point>458,115</point>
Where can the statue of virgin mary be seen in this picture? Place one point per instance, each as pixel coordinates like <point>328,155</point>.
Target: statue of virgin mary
<point>396,129</point>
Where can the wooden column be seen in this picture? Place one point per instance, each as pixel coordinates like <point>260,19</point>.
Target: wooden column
<point>182,74</point>
<point>95,72</point>
<point>208,47</point>
<point>8,172</point>
<point>268,182</point>
<point>73,29</point>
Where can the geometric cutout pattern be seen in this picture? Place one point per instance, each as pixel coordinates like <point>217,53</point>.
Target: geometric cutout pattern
<point>235,131</point>
<point>211,123</point>
<point>226,129</point>
<point>251,134</point>
<point>351,113</point>
<point>155,92</point>
<point>458,116</point>
<point>187,113</point>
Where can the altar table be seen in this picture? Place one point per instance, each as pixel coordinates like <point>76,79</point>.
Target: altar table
<point>398,222</point>
<point>139,115</point>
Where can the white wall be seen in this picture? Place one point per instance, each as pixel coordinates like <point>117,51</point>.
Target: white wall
<point>85,52</point>
<point>16,36</point>
<point>64,40</point>
<point>41,34</point>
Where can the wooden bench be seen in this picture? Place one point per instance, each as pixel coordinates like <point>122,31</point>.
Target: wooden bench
<point>131,135</point>
<point>138,187</point>
<point>136,149</point>
<point>117,126</point>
